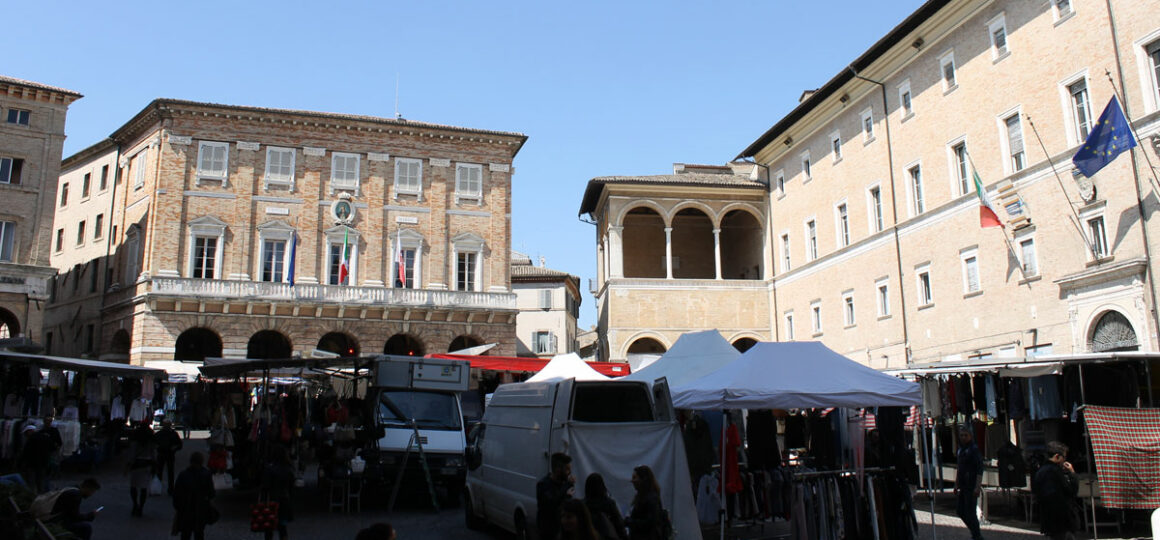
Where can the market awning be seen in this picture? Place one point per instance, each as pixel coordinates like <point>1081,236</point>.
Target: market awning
<point>83,365</point>
<point>533,365</point>
<point>219,368</point>
<point>179,372</point>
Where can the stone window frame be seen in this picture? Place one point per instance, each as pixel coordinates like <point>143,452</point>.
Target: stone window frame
<point>807,166</point>
<point>997,23</point>
<point>270,179</point>
<point>400,189</point>
<point>842,224</point>
<point>816,318</point>
<point>1021,237</point>
<point>13,171</point>
<point>966,255</point>
<point>1097,250</point>
<point>945,60</point>
<point>836,146</point>
<point>811,238</point>
<point>1006,144</point>
<point>882,296</point>
<point>1059,14</point>
<point>786,254</point>
<point>551,348</point>
<point>345,183</point>
<point>464,195</point>
<point>915,189</point>
<point>867,134</point>
<point>1147,50</point>
<point>334,238</point>
<point>925,285</point>
<point>779,183</point>
<point>905,100</point>
<point>407,239</point>
<point>202,172</point>
<point>849,309</point>
<point>82,232</point>
<point>206,227</point>
<point>787,319</point>
<point>468,243</point>
<point>7,241</point>
<point>959,172</point>
<point>875,217</point>
<point>1071,112</point>
<point>274,230</point>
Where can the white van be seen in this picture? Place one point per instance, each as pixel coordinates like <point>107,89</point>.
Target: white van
<point>607,427</point>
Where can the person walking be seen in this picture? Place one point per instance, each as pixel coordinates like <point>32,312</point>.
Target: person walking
<point>168,444</point>
<point>551,492</point>
<point>968,482</point>
<point>1055,487</point>
<point>575,521</point>
<point>142,460</point>
<point>647,519</point>
<point>67,509</point>
<point>192,493</point>
<point>277,482</point>
<point>34,458</point>
<point>606,516</point>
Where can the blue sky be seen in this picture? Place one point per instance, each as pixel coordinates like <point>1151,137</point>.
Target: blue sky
<point>600,88</point>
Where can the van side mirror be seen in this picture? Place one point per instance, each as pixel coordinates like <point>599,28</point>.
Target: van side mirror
<point>473,457</point>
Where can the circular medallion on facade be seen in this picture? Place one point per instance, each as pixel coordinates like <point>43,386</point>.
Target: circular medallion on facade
<point>342,210</point>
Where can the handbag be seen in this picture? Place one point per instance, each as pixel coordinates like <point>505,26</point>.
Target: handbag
<point>263,516</point>
<point>222,481</point>
<point>156,487</point>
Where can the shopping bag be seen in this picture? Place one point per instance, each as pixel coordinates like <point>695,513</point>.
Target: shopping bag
<point>263,516</point>
<point>222,481</point>
<point>156,487</point>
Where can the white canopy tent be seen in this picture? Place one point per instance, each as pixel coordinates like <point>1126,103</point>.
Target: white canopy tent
<point>794,375</point>
<point>693,356</point>
<point>567,366</point>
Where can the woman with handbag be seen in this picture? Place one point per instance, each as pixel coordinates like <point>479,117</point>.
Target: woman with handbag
<point>142,460</point>
<point>192,492</point>
<point>277,483</point>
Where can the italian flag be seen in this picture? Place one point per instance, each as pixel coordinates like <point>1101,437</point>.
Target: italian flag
<point>344,266</point>
<point>987,215</point>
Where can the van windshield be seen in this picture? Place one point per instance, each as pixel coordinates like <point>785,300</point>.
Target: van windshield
<point>432,410</point>
<point>612,403</point>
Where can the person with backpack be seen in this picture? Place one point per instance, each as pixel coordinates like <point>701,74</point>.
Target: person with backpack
<point>66,509</point>
<point>648,519</point>
<point>1055,487</point>
<point>606,518</point>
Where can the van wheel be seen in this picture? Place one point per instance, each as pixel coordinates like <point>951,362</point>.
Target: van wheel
<point>474,522</point>
<point>522,527</point>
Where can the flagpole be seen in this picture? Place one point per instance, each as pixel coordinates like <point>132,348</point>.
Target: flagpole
<point>1131,126</point>
<point>1058,180</point>
<point>1006,241</point>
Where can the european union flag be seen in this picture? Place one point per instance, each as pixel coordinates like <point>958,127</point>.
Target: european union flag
<point>1111,136</point>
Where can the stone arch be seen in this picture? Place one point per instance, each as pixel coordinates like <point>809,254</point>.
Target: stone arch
<point>742,240</point>
<point>1111,330</point>
<point>195,343</point>
<point>121,342</point>
<point>339,343</point>
<point>693,244</point>
<point>404,345</point>
<point>639,337</point>
<point>744,344</point>
<point>643,243</point>
<point>269,344</point>
<point>463,341</point>
<point>9,324</point>
<point>644,203</point>
<point>704,208</point>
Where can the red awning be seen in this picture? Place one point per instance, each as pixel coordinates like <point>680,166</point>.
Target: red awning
<point>511,363</point>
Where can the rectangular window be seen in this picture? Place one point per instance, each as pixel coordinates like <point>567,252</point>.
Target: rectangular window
<point>916,191</point>
<point>1027,257</point>
<point>806,172</point>
<point>408,268</point>
<point>139,174</point>
<point>280,166</point>
<point>468,181</point>
<point>64,195</point>
<point>546,299</point>
<point>273,260</point>
<point>836,146</point>
<point>344,171</point>
<point>811,240</point>
<point>1153,52</point>
<point>789,326</point>
<point>334,264</point>
<point>971,282</point>
<point>1062,8</point>
<point>81,233</point>
<point>7,241</point>
<point>962,169</point>
<point>816,317</point>
<point>1098,237</point>
<point>785,263</point>
<point>998,31</point>
<point>204,257</point>
<point>843,218</point>
<point>925,293</point>
<point>10,169</point>
<point>408,175</point>
<point>86,183</point>
<point>1015,142</point>
<point>212,162</point>
<point>779,182</point>
<point>848,309</point>
<point>876,222</point>
<point>904,99</point>
<point>18,116</point>
<point>104,178</point>
<point>883,298</point>
<point>465,272</point>
<point>99,227</point>
<point>542,342</point>
<point>59,239</point>
<point>947,65</point>
<point>867,125</point>
<point>1081,113</point>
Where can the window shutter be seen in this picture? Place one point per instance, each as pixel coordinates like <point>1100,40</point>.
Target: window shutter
<point>546,299</point>
<point>552,347</point>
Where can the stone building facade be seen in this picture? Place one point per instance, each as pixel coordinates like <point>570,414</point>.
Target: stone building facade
<point>32,121</point>
<point>871,233</point>
<point>549,304</point>
<point>254,232</point>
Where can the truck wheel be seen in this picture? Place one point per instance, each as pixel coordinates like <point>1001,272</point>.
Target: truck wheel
<point>522,527</point>
<point>474,522</point>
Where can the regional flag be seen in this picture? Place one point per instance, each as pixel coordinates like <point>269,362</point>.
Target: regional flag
<point>344,266</point>
<point>987,215</point>
<point>1111,136</point>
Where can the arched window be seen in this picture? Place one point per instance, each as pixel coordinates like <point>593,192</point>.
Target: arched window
<point>1113,332</point>
<point>643,244</point>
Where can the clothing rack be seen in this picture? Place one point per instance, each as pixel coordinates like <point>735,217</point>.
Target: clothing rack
<point>840,472</point>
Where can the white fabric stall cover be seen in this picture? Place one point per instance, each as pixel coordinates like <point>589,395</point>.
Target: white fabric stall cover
<point>794,375</point>
<point>693,356</point>
<point>602,448</point>
<point>567,366</point>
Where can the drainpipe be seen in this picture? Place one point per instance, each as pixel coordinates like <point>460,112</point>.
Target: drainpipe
<point>893,209</point>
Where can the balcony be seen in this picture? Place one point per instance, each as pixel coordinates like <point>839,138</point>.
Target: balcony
<point>309,293</point>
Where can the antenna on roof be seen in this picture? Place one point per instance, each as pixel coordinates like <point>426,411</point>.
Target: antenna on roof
<point>398,116</point>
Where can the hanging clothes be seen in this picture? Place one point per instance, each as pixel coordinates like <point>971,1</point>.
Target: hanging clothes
<point>1045,398</point>
<point>733,482</point>
<point>1012,468</point>
<point>931,397</point>
<point>1016,402</point>
<point>708,501</point>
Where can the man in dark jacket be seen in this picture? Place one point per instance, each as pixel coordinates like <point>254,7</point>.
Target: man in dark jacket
<point>67,509</point>
<point>969,482</point>
<point>168,443</point>
<point>551,492</point>
<point>1055,488</point>
<point>34,457</point>
<point>192,493</point>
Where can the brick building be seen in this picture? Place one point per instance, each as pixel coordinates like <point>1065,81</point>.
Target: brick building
<point>252,232</point>
<point>863,195</point>
<point>32,119</point>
